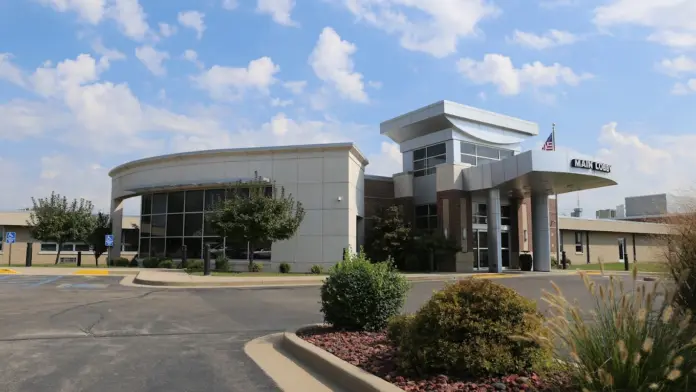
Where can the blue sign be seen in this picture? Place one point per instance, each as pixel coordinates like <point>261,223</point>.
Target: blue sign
<point>11,237</point>
<point>109,240</point>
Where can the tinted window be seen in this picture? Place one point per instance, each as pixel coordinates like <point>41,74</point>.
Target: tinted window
<point>470,159</point>
<point>49,247</point>
<point>468,148</point>
<point>487,152</point>
<point>193,247</point>
<point>438,149</point>
<point>193,225</point>
<point>144,248</point>
<point>175,225</point>
<point>146,204</point>
<point>159,223</point>
<point>194,201</point>
<point>419,154</point>
<point>174,248</point>
<point>145,224</point>
<point>214,197</point>
<point>159,203</point>
<point>176,202</point>
<point>157,247</point>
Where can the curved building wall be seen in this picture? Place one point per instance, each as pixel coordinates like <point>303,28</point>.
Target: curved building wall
<point>326,179</point>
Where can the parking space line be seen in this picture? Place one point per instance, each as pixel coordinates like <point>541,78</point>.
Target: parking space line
<point>6,277</point>
<point>49,280</point>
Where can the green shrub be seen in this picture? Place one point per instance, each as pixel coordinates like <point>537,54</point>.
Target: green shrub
<point>256,267</point>
<point>681,257</point>
<point>360,295</point>
<point>120,262</point>
<point>284,268</point>
<point>317,269</point>
<point>168,264</point>
<point>134,262</point>
<point>152,262</point>
<point>222,263</point>
<point>468,330</point>
<point>194,266</point>
<point>629,341</point>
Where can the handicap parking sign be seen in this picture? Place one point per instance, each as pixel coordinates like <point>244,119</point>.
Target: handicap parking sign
<point>109,240</point>
<point>11,237</point>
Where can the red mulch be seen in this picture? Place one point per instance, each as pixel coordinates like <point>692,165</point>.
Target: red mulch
<point>372,352</point>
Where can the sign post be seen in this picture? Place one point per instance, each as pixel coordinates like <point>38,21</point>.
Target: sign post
<point>10,238</point>
<point>109,243</point>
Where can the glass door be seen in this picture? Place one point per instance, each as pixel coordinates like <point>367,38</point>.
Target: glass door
<point>481,249</point>
<point>505,247</point>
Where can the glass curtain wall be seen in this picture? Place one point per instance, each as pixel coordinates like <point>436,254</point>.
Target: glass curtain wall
<point>170,220</point>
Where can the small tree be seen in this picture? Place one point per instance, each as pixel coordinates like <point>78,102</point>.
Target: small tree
<point>389,236</point>
<point>53,219</point>
<point>258,217</point>
<point>100,227</point>
<point>434,245</point>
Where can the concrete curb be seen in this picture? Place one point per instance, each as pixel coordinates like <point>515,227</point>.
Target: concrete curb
<point>255,283</point>
<point>346,376</point>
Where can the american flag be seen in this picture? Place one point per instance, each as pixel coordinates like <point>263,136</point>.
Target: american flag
<point>548,146</point>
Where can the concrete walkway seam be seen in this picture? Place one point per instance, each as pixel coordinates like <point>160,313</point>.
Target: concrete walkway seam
<point>350,378</point>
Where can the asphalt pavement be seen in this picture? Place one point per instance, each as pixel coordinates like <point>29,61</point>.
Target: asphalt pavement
<point>91,334</point>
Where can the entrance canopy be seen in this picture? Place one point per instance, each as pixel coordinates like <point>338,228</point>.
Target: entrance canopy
<point>538,172</point>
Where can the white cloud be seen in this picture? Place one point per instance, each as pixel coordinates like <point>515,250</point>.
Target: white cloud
<point>498,70</point>
<point>20,119</point>
<point>689,87</point>
<point>375,84</point>
<point>128,14</point>
<point>91,11</point>
<point>130,17</point>
<point>107,54</point>
<point>550,39</point>
<point>166,30</point>
<point>558,3</point>
<point>225,83</point>
<point>433,27</point>
<point>192,56</point>
<point>277,102</point>
<point>677,66</point>
<point>10,72</point>
<point>671,20</point>
<point>387,161</point>
<point>280,10</point>
<point>67,75</point>
<point>295,86</point>
<point>152,59</point>
<point>193,20</point>
<point>230,4</point>
<point>331,61</point>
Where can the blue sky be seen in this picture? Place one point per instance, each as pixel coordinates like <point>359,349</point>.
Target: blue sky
<point>88,84</point>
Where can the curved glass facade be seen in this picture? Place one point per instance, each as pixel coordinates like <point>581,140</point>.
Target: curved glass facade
<point>170,220</point>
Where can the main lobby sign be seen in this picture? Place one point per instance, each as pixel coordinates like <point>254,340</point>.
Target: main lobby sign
<point>592,165</point>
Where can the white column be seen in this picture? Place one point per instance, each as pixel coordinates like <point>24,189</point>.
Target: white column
<point>541,233</point>
<point>495,255</point>
<point>116,223</point>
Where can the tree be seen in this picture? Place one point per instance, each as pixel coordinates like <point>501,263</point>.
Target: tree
<point>389,236</point>
<point>53,219</point>
<point>433,245</point>
<point>262,216</point>
<point>100,227</point>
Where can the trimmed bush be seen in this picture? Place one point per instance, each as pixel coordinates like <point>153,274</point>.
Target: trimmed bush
<point>222,264</point>
<point>168,264</point>
<point>526,262</point>
<point>120,262</point>
<point>134,262</point>
<point>284,268</point>
<point>316,269</point>
<point>256,267</point>
<point>152,262</point>
<point>194,266</point>
<point>467,330</point>
<point>360,295</point>
<point>631,340</point>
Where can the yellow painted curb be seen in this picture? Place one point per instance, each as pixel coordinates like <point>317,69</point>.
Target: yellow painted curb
<point>91,272</point>
<point>590,272</point>
<point>492,276</point>
<point>7,271</point>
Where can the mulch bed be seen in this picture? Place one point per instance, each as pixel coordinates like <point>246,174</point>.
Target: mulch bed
<point>372,352</point>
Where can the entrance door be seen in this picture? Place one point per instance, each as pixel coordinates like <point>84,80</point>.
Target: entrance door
<point>622,250</point>
<point>481,249</point>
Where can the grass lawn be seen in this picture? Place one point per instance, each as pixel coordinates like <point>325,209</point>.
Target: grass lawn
<point>257,274</point>
<point>642,267</point>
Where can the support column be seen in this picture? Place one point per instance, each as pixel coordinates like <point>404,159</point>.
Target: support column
<point>495,255</point>
<point>116,223</point>
<point>541,233</point>
<point>515,234</point>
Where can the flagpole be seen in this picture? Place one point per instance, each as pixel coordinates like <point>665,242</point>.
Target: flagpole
<point>558,223</point>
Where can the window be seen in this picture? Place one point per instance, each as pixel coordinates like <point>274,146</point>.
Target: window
<point>476,155</point>
<point>505,215</point>
<point>425,159</point>
<point>67,247</point>
<point>578,242</point>
<point>2,237</point>
<point>176,202</point>
<point>426,217</point>
<point>480,213</point>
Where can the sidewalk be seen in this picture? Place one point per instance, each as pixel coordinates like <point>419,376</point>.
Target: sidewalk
<point>181,279</point>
